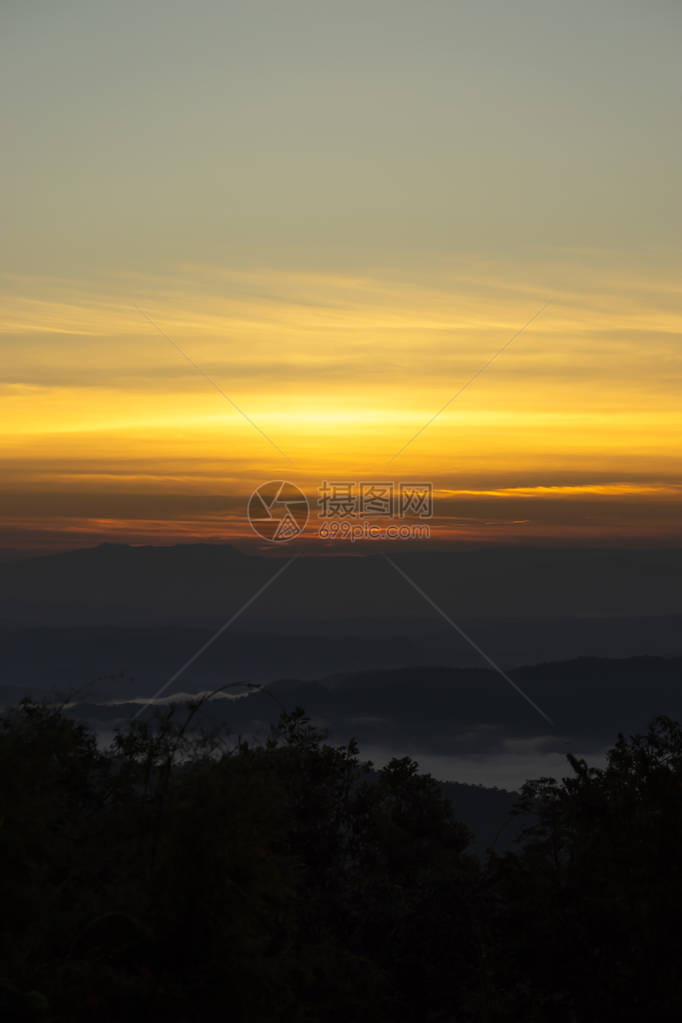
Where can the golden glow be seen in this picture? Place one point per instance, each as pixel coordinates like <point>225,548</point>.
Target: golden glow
<point>340,372</point>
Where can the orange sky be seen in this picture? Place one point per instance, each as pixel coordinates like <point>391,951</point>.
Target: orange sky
<point>340,212</point>
<point>572,433</point>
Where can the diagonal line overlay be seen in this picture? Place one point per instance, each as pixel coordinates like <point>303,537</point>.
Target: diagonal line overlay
<point>213,384</point>
<point>464,386</point>
<point>215,636</point>
<point>469,640</point>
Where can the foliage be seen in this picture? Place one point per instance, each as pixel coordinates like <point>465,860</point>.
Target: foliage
<point>170,876</point>
<point>173,877</point>
<point>589,909</point>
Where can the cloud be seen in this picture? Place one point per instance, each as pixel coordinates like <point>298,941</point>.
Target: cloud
<point>340,371</point>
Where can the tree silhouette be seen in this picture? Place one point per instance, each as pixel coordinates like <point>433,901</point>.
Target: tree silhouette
<point>173,875</point>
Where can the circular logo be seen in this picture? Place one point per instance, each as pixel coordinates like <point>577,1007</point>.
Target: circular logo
<point>278,511</point>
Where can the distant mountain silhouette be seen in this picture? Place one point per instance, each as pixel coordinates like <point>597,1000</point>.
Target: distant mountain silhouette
<point>354,644</point>
<point>120,584</point>
<point>434,711</point>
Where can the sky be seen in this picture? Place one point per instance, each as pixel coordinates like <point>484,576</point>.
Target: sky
<point>340,212</point>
